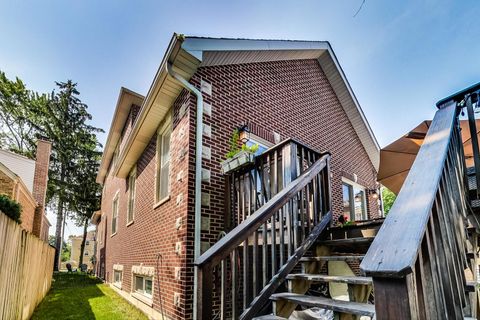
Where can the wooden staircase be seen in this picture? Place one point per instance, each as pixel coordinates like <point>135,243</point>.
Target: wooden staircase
<point>275,259</point>
<point>339,244</point>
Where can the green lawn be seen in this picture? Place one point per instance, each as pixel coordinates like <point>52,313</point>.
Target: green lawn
<point>78,296</point>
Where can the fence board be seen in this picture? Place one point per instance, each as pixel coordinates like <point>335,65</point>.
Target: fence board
<point>26,267</point>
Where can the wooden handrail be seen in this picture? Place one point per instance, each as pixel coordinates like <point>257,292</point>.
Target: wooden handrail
<point>301,210</point>
<point>395,248</point>
<point>222,248</point>
<point>419,253</point>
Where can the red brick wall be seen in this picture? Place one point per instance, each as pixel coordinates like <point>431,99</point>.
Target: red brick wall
<point>152,236</point>
<point>28,207</point>
<point>40,181</point>
<point>292,98</point>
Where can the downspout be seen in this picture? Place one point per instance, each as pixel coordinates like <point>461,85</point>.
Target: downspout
<point>198,173</point>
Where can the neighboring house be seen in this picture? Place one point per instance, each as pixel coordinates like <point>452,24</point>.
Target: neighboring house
<point>271,91</point>
<point>25,181</point>
<point>89,250</point>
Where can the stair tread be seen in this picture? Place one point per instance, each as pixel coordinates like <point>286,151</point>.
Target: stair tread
<point>332,258</point>
<point>326,278</point>
<point>327,303</point>
<point>269,317</point>
<point>348,241</point>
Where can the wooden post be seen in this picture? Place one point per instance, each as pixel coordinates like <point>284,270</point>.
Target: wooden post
<point>395,298</point>
<point>205,293</point>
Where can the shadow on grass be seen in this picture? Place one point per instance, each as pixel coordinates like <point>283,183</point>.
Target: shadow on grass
<point>69,298</point>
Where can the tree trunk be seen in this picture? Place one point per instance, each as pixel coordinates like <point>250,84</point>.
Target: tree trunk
<point>58,235</point>
<point>82,245</point>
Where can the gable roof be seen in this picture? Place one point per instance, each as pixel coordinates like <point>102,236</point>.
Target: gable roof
<point>20,166</point>
<point>186,54</point>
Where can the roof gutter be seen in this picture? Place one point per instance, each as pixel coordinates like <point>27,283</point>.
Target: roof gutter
<point>198,173</point>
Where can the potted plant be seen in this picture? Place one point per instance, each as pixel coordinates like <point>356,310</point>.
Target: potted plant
<point>238,157</point>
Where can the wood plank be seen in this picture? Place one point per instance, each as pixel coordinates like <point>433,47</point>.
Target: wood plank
<point>224,246</point>
<point>333,258</point>
<point>356,308</point>
<point>326,278</point>
<point>405,225</point>
<point>348,241</point>
<point>258,303</point>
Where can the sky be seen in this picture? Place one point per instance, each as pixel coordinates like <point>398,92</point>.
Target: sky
<point>400,57</point>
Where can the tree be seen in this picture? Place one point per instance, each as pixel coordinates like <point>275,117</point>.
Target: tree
<point>388,198</point>
<point>17,108</point>
<point>64,120</point>
<point>88,193</point>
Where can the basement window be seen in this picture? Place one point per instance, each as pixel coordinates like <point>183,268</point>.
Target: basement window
<point>163,161</point>
<point>144,286</point>
<point>117,278</point>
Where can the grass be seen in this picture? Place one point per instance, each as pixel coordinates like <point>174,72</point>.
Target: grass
<point>79,296</point>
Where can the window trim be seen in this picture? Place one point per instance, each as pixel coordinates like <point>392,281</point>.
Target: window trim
<point>358,186</point>
<point>142,296</point>
<point>163,128</point>
<point>131,206</point>
<point>115,198</point>
<point>116,283</point>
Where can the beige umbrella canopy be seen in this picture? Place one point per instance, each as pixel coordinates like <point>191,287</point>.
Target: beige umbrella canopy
<point>397,158</point>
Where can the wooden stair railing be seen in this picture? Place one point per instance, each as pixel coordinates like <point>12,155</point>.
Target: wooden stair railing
<point>418,257</point>
<point>253,247</point>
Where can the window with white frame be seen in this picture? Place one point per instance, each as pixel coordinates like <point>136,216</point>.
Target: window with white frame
<point>163,161</point>
<point>131,195</point>
<point>354,200</point>
<point>143,285</point>
<point>117,277</point>
<point>115,215</point>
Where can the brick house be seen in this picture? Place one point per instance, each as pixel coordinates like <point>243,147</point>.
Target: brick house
<point>148,229</point>
<point>88,252</point>
<point>25,181</point>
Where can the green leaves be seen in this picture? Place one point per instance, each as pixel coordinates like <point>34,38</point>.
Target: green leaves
<point>11,208</point>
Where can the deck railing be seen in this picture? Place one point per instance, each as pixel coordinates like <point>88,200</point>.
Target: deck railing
<point>275,224</point>
<point>417,259</point>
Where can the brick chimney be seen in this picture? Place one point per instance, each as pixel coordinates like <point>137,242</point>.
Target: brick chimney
<point>40,180</point>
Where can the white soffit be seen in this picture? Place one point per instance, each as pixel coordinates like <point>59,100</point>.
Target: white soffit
<point>125,100</point>
<point>161,96</point>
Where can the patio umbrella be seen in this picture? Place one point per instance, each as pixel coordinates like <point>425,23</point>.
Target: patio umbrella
<point>397,158</point>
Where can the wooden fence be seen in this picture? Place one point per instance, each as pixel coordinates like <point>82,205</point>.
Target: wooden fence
<point>26,267</point>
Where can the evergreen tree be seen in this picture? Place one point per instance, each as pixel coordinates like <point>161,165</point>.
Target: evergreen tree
<point>65,122</point>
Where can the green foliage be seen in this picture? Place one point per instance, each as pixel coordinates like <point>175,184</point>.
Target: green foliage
<point>234,146</point>
<point>250,149</point>
<point>388,198</point>
<point>63,119</point>
<point>11,208</point>
<point>66,252</point>
<point>234,149</point>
